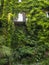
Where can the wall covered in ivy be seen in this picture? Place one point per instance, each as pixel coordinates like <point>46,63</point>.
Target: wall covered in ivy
<point>26,43</point>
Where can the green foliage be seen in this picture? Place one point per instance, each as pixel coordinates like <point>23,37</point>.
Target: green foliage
<point>27,43</point>
<point>5,53</point>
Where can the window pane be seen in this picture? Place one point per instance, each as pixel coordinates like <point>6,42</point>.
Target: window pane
<point>20,17</point>
<point>19,0</point>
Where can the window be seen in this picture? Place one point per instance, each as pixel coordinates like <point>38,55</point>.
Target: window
<point>20,17</point>
<point>19,0</point>
<point>47,14</point>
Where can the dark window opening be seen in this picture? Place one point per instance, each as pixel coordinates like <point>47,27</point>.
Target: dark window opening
<point>0,24</point>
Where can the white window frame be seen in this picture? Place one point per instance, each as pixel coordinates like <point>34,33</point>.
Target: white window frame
<point>20,17</point>
<point>47,14</point>
<point>20,0</point>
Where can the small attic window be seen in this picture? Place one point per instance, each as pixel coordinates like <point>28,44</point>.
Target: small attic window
<point>46,9</point>
<point>19,0</point>
<point>21,18</point>
<point>47,14</point>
